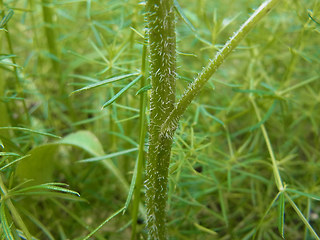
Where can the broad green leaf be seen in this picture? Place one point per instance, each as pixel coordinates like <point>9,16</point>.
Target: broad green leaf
<point>39,164</point>
<point>85,140</point>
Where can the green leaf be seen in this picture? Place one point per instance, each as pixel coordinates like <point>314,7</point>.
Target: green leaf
<point>104,82</point>
<point>9,154</point>
<point>4,223</point>
<point>281,214</point>
<point>183,16</point>
<point>39,165</point>
<point>1,143</point>
<point>314,20</point>
<point>302,217</point>
<point>111,155</point>
<point>13,162</point>
<point>85,140</point>
<point>308,195</point>
<point>30,130</point>
<point>47,186</point>
<point>115,97</point>
<point>103,223</point>
<point>143,89</point>
<point>6,18</point>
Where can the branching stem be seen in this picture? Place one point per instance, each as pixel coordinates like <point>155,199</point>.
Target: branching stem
<point>171,123</point>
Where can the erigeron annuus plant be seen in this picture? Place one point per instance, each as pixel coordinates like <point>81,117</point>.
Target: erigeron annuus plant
<point>164,112</point>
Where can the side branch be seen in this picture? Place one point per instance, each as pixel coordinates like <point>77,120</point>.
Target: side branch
<point>171,123</point>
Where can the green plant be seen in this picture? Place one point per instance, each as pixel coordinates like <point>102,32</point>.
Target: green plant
<point>240,164</point>
<point>164,114</point>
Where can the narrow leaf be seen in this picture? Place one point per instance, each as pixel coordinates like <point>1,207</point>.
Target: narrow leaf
<point>302,217</point>
<point>13,162</point>
<point>116,154</point>
<point>122,91</point>
<point>102,224</point>
<point>30,130</point>
<point>6,18</point>
<point>308,195</point>
<point>314,20</point>
<point>106,81</point>
<point>144,89</point>
<point>4,223</point>
<point>183,16</point>
<point>1,143</point>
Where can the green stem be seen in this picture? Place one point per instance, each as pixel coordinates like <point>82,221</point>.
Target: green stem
<point>16,73</point>
<point>162,42</point>
<point>16,216</point>
<point>141,156</point>
<point>171,123</point>
<point>275,168</point>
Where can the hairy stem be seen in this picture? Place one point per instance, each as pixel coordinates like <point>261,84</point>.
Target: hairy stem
<point>162,42</point>
<point>171,123</point>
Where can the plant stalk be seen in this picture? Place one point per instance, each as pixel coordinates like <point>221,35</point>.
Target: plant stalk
<point>162,42</point>
<point>171,123</point>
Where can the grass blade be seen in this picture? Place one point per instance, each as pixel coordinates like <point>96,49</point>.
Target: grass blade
<point>103,82</point>
<point>30,130</point>
<point>122,91</point>
<point>308,195</point>
<point>4,223</point>
<point>103,223</point>
<point>111,155</point>
<point>302,217</point>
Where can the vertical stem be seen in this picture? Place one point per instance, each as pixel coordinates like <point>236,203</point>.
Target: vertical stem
<point>141,156</point>
<point>15,214</point>
<point>50,33</point>
<point>162,42</point>
<point>16,73</point>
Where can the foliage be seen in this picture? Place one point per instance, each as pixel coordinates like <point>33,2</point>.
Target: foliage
<point>73,117</point>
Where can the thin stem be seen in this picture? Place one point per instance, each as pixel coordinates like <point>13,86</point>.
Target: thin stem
<point>16,216</point>
<point>269,146</point>
<point>16,73</point>
<point>141,155</point>
<point>171,123</point>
